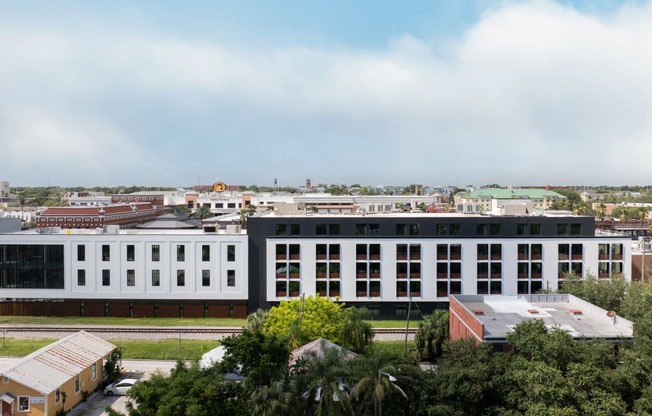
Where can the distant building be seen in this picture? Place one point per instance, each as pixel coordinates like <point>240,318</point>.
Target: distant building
<point>489,319</point>
<point>55,378</point>
<point>157,200</point>
<point>125,216</point>
<point>5,189</point>
<point>481,200</point>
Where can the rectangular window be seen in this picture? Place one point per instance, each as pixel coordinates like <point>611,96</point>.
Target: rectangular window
<point>321,229</point>
<point>494,229</point>
<point>156,277</point>
<point>81,277</point>
<point>575,229</point>
<point>205,252</point>
<point>535,229</point>
<point>562,229</point>
<point>94,371</point>
<point>81,253</point>
<point>230,252</point>
<point>106,277</point>
<point>295,229</point>
<point>106,252</point>
<point>57,395</point>
<point>333,229</point>
<point>455,229</point>
<point>401,229</point>
<point>181,277</point>
<point>131,252</point>
<point>205,278</point>
<point>156,252</point>
<point>77,383</point>
<point>23,404</point>
<point>131,277</point>
<point>281,229</point>
<point>181,252</point>
<point>230,278</point>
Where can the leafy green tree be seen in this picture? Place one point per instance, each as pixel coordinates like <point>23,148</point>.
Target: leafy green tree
<point>256,320</point>
<point>262,357</point>
<point>605,293</point>
<point>356,333</point>
<point>203,212</point>
<point>432,333</point>
<point>275,399</point>
<point>306,319</point>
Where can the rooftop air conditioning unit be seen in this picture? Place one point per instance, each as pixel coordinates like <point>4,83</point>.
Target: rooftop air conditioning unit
<point>233,229</point>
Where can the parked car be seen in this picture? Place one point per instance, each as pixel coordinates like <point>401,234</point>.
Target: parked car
<point>120,388</point>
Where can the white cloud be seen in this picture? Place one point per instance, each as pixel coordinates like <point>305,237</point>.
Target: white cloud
<point>534,93</point>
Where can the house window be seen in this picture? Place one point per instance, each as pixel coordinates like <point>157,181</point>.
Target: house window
<point>81,253</point>
<point>181,252</point>
<point>230,252</point>
<point>57,395</point>
<point>77,383</point>
<point>230,278</point>
<point>205,252</point>
<point>131,252</point>
<point>23,403</point>
<point>156,277</point>
<point>181,277</point>
<point>156,252</point>
<point>205,277</point>
<point>106,252</point>
<point>131,277</point>
<point>106,277</point>
<point>94,371</point>
<point>81,277</point>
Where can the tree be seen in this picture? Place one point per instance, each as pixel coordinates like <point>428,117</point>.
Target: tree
<point>245,213</point>
<point>203,212</point>
<point>356,333</point>
<point>432,333</point>
<point>605,293</point>
<point>275,399</point>
<point>321,383</point>
<point>306,319</point>
<point>377,379</point>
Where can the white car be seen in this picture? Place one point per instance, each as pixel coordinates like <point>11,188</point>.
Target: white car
<point>120,388</point>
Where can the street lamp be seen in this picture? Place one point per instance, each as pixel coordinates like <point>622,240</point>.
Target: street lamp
<point>379,403</point>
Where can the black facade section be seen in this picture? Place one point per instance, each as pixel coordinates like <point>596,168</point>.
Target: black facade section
<point>31,266</point>
<point>423,226</point>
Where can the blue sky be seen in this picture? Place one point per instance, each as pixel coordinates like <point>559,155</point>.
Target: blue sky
<point>374,92</point>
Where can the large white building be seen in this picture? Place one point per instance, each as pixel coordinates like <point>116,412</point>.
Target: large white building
<point>381,261</point>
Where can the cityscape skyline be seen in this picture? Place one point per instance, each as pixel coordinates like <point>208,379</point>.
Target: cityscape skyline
<point>472,92</point>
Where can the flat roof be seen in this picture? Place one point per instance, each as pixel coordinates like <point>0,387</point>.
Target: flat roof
<point>500,313</point>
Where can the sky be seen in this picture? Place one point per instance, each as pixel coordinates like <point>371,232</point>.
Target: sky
<point>448,92</point>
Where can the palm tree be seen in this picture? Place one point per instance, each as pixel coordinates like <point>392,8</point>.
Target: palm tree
<point>356,333</point>
<point>271,400</point>
<point>432,333</point>
<point>377,379</point>
<point>321,383</point>
<point>203,212</point>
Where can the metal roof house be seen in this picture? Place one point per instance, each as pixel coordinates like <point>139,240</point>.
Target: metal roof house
<point>54,377</point>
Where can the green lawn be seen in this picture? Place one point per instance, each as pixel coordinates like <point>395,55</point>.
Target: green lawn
<point>165,349</point>
<point>391,323</point>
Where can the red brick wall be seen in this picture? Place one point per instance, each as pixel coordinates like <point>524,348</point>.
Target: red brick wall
<point>457,320</point>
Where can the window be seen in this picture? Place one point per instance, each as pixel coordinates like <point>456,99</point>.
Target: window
<point>81,253</point>
<point>57,395</point>
<point>23,403</point>
<point>156,252</point>
<point>281,229</point>
<point>156,277</point>
<point>106,277</point>
<point>230,252</point>
<point>131,252</point>
<point>131,277</point>
<point>106,252</point>
<point>494,229</point>
<point>295,229</point>
<point>230,278</point>
<point>81,277</point>
<point>333,229</point>
<point>181,252</point>
<point>575,229</point>
<point>562,229</point>
<point>94,371</point>
<point>205,252</point>
<point>181,277</point>
<point>205,278</point>
<point>77,382</point>
<point>230,204</point>
<point>367,229</point>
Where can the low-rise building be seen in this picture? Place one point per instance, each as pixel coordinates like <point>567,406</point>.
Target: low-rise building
<point>56,377</point>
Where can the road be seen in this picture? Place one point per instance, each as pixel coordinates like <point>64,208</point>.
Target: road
<point>140,369</point>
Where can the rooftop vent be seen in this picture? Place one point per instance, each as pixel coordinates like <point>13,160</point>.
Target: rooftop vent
<point>575,311</point>
<point>478,312</point>
<point>533,311</point>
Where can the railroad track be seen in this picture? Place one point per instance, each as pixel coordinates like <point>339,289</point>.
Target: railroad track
<point>154,330</point>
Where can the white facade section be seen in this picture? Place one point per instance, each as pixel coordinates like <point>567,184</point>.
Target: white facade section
<point>184,265</point>
<point>552,261</point>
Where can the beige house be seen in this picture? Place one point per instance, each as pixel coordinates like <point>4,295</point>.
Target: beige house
<point>55,377</point>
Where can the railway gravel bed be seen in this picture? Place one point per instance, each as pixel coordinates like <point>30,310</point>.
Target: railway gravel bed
<point>156,332</point>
